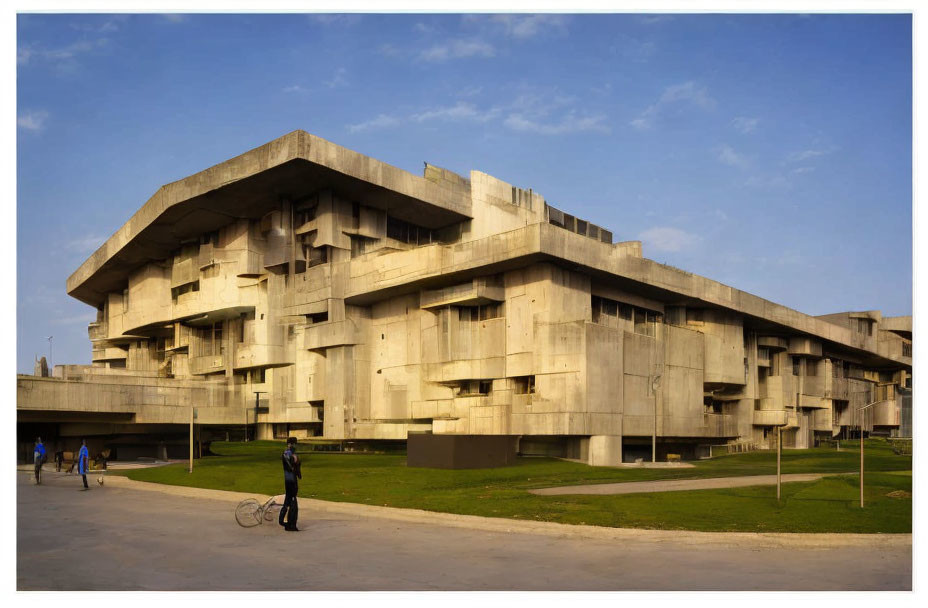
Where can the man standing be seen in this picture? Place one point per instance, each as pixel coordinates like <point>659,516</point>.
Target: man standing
<point>291,474</point>
<point>39,457</point>
<point>82,457</point>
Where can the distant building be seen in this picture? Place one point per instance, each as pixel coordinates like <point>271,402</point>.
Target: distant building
<point>361,302</point>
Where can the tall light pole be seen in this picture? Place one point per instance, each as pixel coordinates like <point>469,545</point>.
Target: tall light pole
<point>190,469</point>
<point>860,427</point>
<point>779,453</point>
<point>655,384</point>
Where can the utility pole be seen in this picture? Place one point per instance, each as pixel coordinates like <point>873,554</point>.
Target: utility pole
<point>860,421</point>
<point>655,384</point>
<point>779,452</point>
<point>190,468</point>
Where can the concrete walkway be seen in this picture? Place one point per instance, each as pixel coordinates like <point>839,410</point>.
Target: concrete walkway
<point>136,536</point>
<point>677,485</point>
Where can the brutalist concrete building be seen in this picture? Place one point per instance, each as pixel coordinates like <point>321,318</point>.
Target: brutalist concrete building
<point>305,289</point>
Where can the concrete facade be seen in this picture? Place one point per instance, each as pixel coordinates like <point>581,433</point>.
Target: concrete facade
<point>361,302</point>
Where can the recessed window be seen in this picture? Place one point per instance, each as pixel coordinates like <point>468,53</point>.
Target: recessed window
<point>524,385</point>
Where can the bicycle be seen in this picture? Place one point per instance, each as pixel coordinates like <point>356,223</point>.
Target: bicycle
<point>250,512</point>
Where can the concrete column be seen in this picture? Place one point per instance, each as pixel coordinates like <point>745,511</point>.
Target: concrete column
<point>605,450</point>
<point>265,430</point>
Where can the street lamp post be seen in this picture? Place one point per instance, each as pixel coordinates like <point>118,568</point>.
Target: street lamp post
<point>779,452</point>
<point>190,469</point>
<point>860,427</point>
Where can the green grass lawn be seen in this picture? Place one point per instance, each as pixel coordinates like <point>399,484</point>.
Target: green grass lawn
<point>828,505</point>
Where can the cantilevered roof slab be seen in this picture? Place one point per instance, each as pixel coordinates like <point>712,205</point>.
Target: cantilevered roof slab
<point>249,186</point>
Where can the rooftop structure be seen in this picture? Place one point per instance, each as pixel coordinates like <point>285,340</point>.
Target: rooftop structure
<point>309,290</point>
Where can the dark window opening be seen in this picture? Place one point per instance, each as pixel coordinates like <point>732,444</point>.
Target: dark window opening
<point>524,385</point>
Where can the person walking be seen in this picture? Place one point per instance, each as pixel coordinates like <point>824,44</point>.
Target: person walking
<point>82,461</point>
<point>290,510</point>
<point>39,457</point>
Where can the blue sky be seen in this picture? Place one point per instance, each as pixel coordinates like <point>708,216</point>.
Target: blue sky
<point>769,152</point>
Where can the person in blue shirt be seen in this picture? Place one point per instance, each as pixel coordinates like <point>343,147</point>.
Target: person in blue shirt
<point>39,457</point>
<point>291,473</point>
<point>83,463</point>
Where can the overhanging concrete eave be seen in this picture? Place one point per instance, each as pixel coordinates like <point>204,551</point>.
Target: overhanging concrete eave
<point>250,185</point>
<point>545,242</point>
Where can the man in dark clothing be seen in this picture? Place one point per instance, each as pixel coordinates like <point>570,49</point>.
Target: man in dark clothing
<point>39,457</point>
<point>83,463</point>
<point>291,473</point>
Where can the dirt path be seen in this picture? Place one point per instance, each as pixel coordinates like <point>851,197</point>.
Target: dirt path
<point>676,485</point>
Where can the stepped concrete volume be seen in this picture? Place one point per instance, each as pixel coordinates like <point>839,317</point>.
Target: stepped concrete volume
<point>305,289</point>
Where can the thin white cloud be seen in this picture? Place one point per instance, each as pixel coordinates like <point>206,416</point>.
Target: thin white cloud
<point>804,155</point>
<point>86,244</point>
<point>459,111</point>
<point>458,49</point>
<point>728,156</point>
<point>799,170</point>
<point>685,94</point>
<point>382,121</point>
<point>667,238</point>
<point>529,26</point>
<point>654,19</point>
<point>293,88</point>
<point>110,25</point>
<point>175,17</point>
<point>570,123</point>
<point>32,121</point>
<point>338,79</point>
<point>633,49</point>
<point>745,125</point>
<point>335,19</point>
<point>25,55</point>
<point>767,182</point>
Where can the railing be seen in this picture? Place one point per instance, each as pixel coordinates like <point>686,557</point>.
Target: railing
<point>720,425</point>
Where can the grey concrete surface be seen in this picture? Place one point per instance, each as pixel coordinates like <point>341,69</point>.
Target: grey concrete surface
<point>676,485</point>
<point>117,537</point>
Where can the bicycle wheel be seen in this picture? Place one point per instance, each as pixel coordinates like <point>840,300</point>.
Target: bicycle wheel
<point>248,513</point>
<point>271,511</point>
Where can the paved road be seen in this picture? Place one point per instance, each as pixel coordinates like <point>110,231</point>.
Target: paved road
<point>119,538</point>
<point>676,485</point>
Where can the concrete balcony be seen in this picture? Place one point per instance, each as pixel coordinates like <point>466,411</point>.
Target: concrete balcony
<point>805,346</point>
<point>885,413</point>
<point>184,272</point>
<point>207,364</point>
<point>813,386</point>
<point>258,355</point>
<point>451,371</point>
<point>333,333</point>
<point>836,388</point>
<point>770,417</point>
<point>473,293</point>
<point>107,353</point>
<point>720,425</point>
<point>97,331</point>
<point>772,342</point>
